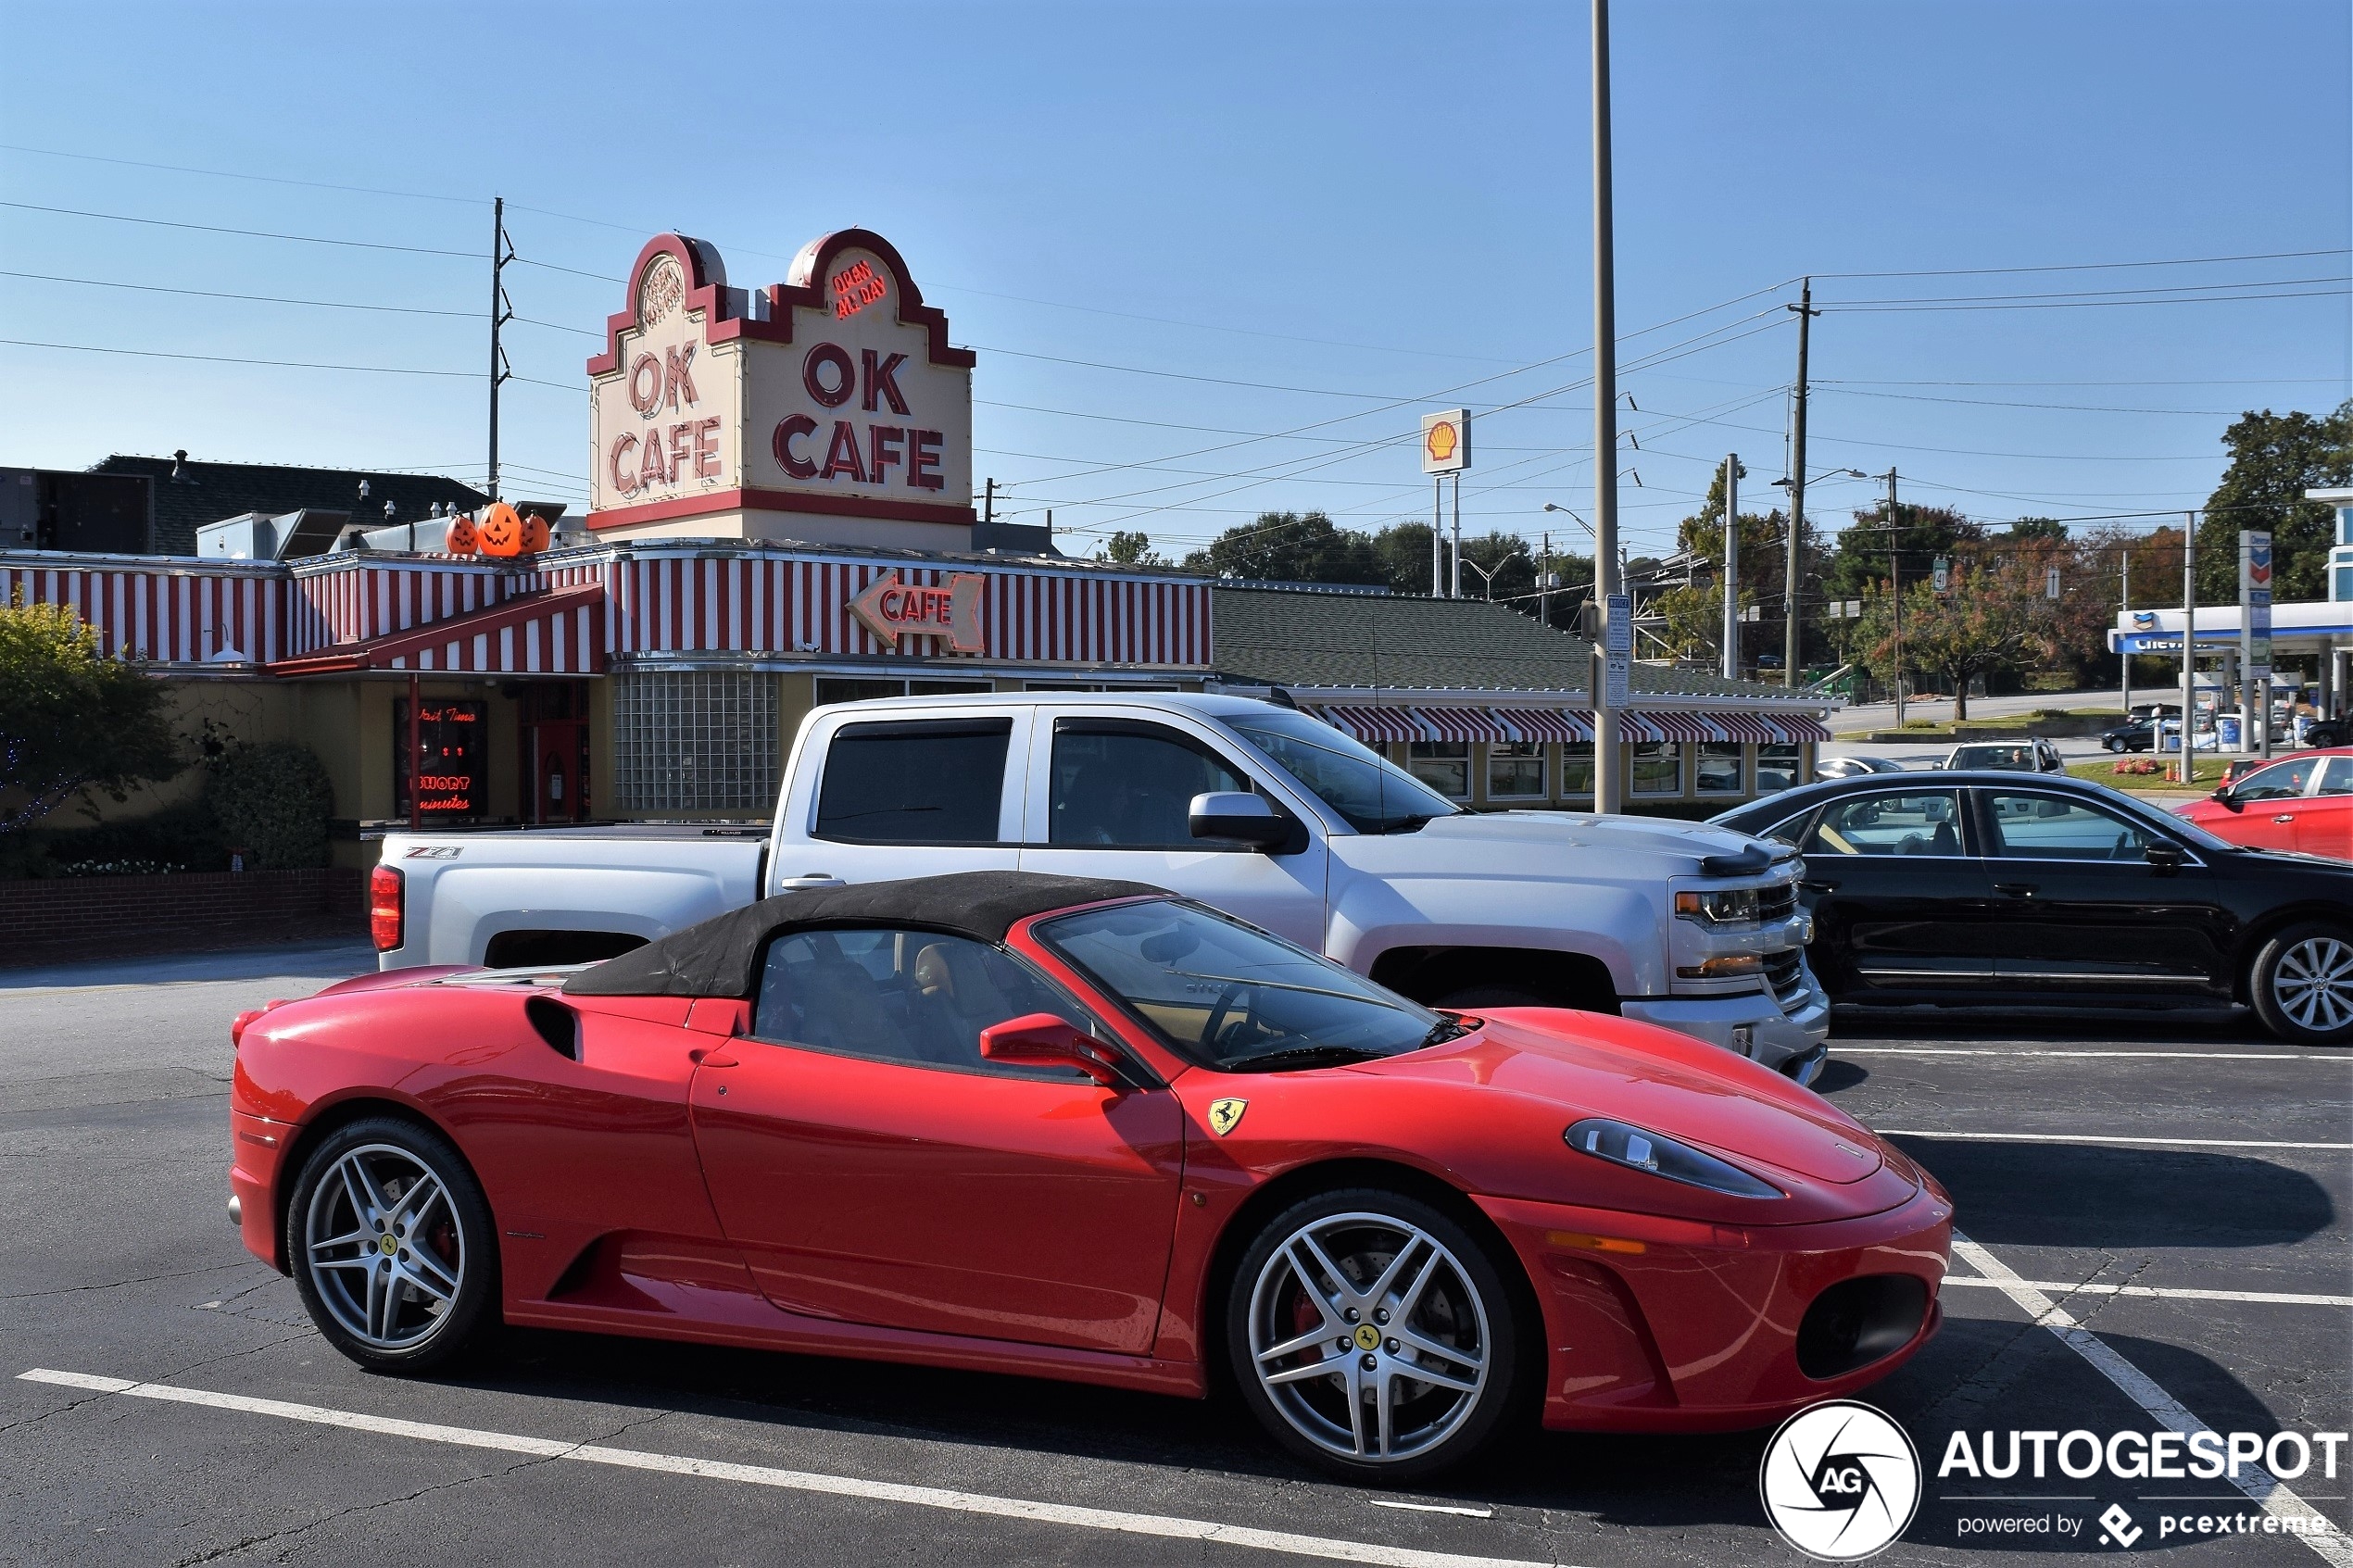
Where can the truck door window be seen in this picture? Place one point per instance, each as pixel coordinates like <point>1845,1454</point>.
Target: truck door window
<point>924,782</point>
<point>1122,782</point>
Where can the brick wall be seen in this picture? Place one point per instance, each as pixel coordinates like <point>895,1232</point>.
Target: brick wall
<point>97,916</point>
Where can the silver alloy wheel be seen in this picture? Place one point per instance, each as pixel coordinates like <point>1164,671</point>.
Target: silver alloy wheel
<point>2312,983</point>
<point>385,1248</point>
<point>1368,1336</point>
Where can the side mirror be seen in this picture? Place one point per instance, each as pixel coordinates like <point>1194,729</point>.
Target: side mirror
<point>2224,798</point>
<point>2164,854</point>
<point>1232,814</point>
<point>1039,1039</point>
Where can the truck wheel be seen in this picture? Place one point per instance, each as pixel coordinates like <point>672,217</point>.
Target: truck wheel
<point>1372,1336</point>
<point>2302,984</point>
<point>392,1246</point>
<point>1471,998</point>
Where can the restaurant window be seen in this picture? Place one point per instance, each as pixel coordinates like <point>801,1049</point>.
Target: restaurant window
<point>1719,767</point>
<point>1577,767</point>
<point>698,742</point>
<point>1775,769</point>
<point>450,763</point>
<point>1658,767</point>
<point>1514,770</point>
<point>1444,765</point>
<point>845,689</point>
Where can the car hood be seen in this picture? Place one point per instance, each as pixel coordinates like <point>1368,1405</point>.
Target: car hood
<point>1661,1083</point>
<point>1509,837</point>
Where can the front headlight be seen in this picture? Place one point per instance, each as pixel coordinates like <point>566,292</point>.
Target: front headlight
<point>1729,906</point>
<point>1660,1156</point>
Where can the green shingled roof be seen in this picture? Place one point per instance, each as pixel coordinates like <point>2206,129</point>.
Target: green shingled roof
<point>1302,640</point>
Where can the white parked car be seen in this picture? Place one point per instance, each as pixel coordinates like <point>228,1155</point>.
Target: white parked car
<point>1252,807</point>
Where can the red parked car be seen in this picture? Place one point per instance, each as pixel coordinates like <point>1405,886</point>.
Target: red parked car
<point>1083,1129</point>
<point>2302,803</point>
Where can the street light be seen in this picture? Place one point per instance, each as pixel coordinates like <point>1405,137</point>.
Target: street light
<point>1486,575</point>
<point>1588,527</point>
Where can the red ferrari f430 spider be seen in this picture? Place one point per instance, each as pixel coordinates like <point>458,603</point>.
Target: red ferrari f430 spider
<point>1085,1130</point>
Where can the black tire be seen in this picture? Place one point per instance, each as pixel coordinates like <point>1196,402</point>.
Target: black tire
<point>426,1299</point>
<point>2116,746</point>
<point>1474,998</point>
<point>2301,983</point>
<point>1462,1319</point>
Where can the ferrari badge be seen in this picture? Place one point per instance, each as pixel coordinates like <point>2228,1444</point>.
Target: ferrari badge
<point>1225,1115</point>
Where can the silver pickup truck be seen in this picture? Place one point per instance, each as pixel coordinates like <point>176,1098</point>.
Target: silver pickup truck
<point>1249,807</point>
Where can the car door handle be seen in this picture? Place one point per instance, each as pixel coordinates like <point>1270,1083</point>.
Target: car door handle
<point>1819,884</point>
<point>811,879</point>
<point>2285,817</point>
<point>2016,889</point>
<point>710,1058</point>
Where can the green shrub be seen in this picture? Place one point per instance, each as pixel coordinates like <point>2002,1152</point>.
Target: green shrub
<point>273,801</point>
<point>186,836</point>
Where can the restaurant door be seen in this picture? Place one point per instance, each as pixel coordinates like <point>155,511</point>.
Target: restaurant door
<point>553,746</point>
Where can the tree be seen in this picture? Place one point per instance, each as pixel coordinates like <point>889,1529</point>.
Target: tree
<point>1992,618</point>
<point>2027,528</point>
<point>1290,548</point>
<point>71,718</point>
<point>1123,548</point>
<point>2275,458</point>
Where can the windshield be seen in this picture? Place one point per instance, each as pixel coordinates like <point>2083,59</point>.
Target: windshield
<point>1994,757</point>
<point>1370,794</point>
<point>1233,998</point>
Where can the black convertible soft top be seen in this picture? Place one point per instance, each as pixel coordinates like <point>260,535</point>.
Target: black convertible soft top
<point>719,958</point>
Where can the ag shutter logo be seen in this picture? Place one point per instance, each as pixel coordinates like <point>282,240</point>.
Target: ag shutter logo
<point>1841,1481</point>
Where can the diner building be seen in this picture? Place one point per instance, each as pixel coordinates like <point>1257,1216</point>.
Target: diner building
<point>780,519</point>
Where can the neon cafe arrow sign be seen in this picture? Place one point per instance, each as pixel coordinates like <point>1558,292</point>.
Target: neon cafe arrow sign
<point>892,610</point>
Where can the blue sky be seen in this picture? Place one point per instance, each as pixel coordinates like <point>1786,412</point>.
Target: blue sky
<point>1364,211</point>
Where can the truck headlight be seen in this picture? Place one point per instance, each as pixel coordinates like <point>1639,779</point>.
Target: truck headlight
<point>1731,966</point>
<point>1729,906</point>
<point>1621,1144</point>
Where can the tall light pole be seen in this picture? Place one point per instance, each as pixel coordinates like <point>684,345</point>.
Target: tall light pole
<point>1607,586</point>
<point>1805,314</point>
<point>1732,566</point>
<point>2189,637</point>
<point>1896,596</point>
<point>2124,603</point>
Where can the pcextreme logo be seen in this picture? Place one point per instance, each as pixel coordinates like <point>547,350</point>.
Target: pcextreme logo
<point>1839,1481</point>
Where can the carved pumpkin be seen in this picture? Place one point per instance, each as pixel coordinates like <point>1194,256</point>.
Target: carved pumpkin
<point>461,540</point>
<point>501,530</point>
<point>535,533</point>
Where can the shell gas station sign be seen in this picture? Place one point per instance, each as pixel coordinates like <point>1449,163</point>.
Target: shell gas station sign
<point>829,407</point>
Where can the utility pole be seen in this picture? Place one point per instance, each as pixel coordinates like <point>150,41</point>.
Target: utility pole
<point>1544,583</point>
<point>1732,566</point>
<point>1607,585</point>
<point>1805,314</point>
<point>2124,655</point>
<point>502,251</point>
<point>1896,596</point>
<point>2189,637</point>
<point>988,503</point>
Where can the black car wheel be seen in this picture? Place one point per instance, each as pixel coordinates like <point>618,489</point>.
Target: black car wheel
<point>1373,1336</point>
<point>391,1244</point>
<point>2113,744</point>
<point>2302,984</point>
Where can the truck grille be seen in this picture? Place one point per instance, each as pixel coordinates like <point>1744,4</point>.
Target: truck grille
<point>1785,976</point>
<point>1778,902</point>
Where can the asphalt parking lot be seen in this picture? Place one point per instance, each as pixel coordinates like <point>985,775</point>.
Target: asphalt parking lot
<point>2180,1193</point>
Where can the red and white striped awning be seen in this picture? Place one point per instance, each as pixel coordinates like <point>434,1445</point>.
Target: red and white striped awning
<point>1746,728</point>
<point>1798,727</point>
<point>1460,726</point>
<point>1373,725</point>
<point>1685,727</point>
<point>546,633</point>
<point>1549,725</point>
<point>1639,727</point>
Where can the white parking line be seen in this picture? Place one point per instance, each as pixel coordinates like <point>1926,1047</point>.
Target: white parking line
<point>2015,1051</point>
<point>2163,1292</point>
<point>2097,1137</point>
<point>1162,1525</point>
<point>2258,1484</point>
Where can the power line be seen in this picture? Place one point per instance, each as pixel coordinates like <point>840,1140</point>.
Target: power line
<point>254,298</point>
<point>2102,294</point>
<point>249,233</point>
<point>260,179</point>
<point>2092,265</point>
<point>2085,304</point>
<point>233,359</point>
